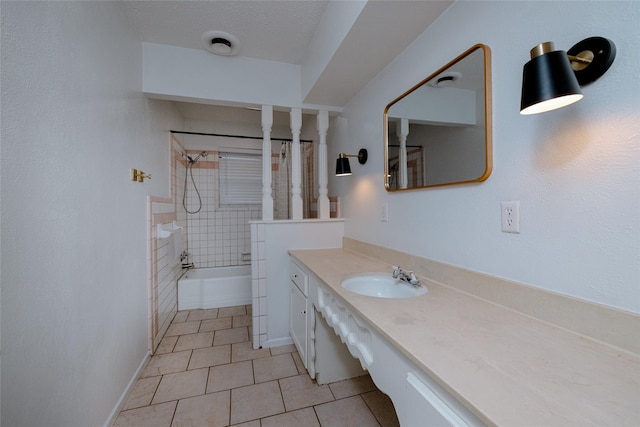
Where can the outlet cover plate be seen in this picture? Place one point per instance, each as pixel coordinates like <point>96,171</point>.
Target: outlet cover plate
<point>510,216</point>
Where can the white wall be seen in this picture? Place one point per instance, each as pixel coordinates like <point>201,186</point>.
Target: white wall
<point>575,171</point>
<point>270,243</point>
<point>74,274</point>
<point>192,75</point>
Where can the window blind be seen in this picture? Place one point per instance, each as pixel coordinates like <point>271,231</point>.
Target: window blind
<point>240,177</point>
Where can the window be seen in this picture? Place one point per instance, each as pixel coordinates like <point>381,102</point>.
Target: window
<point>240,177</point>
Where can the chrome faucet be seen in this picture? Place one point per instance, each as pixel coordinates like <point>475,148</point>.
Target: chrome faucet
<point>184,260</point>
<point>405,276</point>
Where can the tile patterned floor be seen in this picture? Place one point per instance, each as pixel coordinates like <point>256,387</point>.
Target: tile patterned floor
<point>205,373</point>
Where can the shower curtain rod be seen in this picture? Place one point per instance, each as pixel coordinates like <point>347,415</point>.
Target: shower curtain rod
<point>408,146</point>
<point>238,136</point>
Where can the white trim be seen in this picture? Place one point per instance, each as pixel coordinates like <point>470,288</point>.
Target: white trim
<point>123,397</point>
<point>292,221</point>
<point>278,342</point>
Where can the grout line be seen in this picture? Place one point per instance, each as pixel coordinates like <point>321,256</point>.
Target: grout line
<point>206,385</point>
<point>316,414</point>
<point>189,361</point>
<point>331,391</point>
<point>253,372</point>
<point>229,413</point>
<point>370,409</point>
<point>175,410</point>
<point>284,405</point>
<point>154,393</point>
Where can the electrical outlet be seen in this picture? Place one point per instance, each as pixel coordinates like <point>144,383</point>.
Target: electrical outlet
<point>384,214</point>
<point>510,216</point>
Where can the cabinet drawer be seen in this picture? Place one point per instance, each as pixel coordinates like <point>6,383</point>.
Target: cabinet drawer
<point>299,277</point>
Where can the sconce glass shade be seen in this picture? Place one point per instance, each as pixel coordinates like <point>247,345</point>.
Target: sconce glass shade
<point>343,168</point>
<point>548,81</point>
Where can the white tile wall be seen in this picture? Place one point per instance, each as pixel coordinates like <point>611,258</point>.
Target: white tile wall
<point>217,235</point>
<point>259,284</point>
<point>163,272</point>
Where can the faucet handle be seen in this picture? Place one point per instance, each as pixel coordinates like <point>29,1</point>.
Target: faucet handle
<point>396,271</point>
<point>413,279</point>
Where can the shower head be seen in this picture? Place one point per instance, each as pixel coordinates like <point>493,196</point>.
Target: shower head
<point>193,160</point>
<point>203,155</point>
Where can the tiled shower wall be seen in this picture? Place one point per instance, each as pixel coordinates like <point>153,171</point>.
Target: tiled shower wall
<point>164,270</point>
<point>219,236</point>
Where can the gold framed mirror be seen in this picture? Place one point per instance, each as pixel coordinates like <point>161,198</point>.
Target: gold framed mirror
<point>439,131</point>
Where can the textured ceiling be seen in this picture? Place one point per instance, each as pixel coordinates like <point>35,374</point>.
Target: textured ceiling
<point>271,30</point>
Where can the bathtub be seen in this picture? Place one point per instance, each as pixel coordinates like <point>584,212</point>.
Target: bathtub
<point>215,287</point>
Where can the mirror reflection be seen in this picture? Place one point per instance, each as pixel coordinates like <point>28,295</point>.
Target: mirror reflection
<point>439,132</point>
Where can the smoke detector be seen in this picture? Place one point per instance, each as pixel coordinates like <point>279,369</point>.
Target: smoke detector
<point>446,79</point>
<point>220,43</point>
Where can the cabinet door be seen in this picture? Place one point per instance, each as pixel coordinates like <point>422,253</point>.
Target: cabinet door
<point>298,321</point>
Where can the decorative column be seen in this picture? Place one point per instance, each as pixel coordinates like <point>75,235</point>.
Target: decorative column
<point>267,198</point>
<point>323,198</point>
<point>296,164</point>
<point>402,131</point>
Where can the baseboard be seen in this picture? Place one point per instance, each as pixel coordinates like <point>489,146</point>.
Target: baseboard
<point>123,397</point>
<point>195,303</point>
<point>277,342</point>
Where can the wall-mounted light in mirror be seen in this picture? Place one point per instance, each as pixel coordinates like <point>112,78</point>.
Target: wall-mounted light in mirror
<point>439,131</point>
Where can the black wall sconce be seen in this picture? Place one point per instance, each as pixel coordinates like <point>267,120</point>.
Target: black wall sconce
<point>552,78</point>
<point>343,168</point>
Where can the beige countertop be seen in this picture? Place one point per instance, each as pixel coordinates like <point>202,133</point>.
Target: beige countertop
<point>507,368</point>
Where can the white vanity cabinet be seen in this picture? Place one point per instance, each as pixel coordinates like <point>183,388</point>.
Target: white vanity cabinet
<point>323,354</point>
<point>344,344</point>
<point>335,343</point>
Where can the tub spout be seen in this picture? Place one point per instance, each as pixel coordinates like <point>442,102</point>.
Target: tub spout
<point>188,265</point>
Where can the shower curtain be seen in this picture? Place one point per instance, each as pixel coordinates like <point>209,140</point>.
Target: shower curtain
<point>282,180</point>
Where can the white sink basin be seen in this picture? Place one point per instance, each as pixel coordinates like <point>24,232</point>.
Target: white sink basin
<point>381,285</point>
